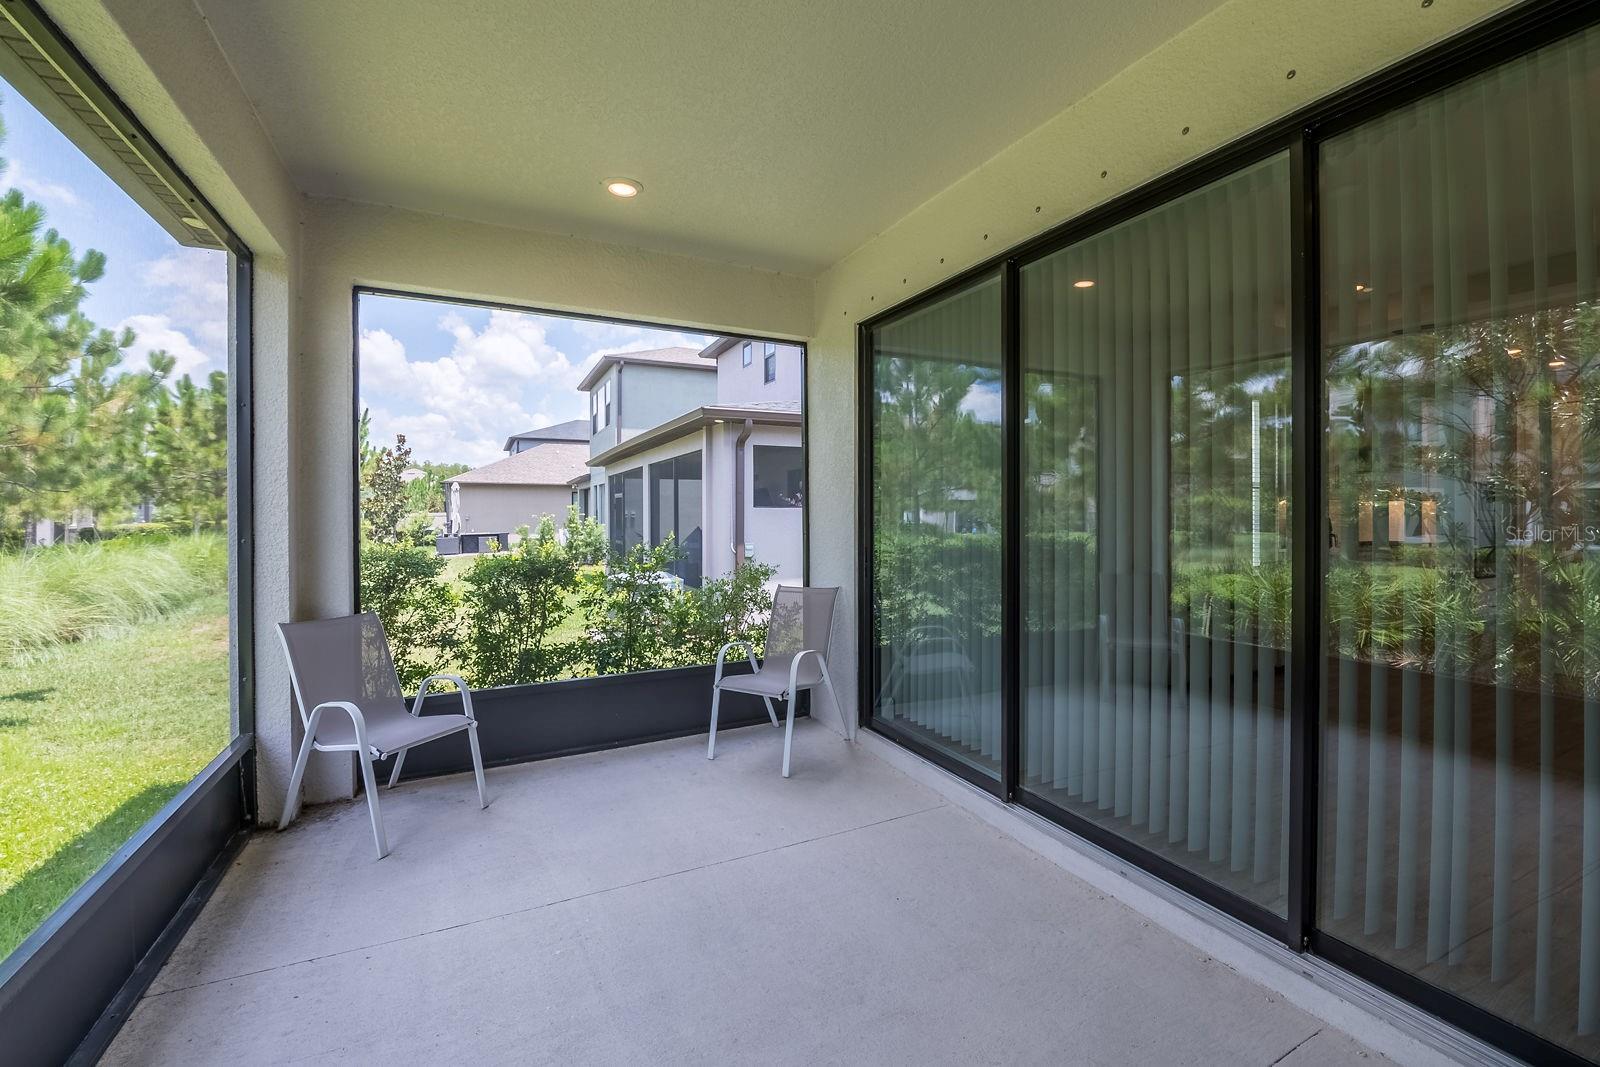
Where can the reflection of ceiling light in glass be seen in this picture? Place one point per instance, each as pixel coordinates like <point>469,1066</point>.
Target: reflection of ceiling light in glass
<point>1513,351</point>
<point>1361,288</point>
<point>1558,363</point>
<point>1083,283</point>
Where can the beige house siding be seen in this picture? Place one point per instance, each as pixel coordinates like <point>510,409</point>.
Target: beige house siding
<point>503,508</point>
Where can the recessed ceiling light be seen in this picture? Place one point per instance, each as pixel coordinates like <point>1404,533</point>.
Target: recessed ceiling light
<point>190,220</point>
<point>623,188</point>
<point>1083,283</point>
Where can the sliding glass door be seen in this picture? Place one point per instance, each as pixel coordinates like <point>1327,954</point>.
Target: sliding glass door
<point>936,462</point>
<point>1155,530</point>
<point>1461,722</point>
<point>1284,582</point>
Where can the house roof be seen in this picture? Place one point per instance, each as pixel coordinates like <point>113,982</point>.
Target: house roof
<point>662,357</point>
<point>553,463</point>
<point>571,430</point>
<point>776,413</point>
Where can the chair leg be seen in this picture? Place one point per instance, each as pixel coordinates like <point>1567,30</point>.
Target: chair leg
<point>711,745</point>
<point>788,732</point>
<point>399,761</point>
<point>849,727</point>
<point>477,766</point>
<point>369,780</point>
<point>772,713</point>
<point>291,802</point>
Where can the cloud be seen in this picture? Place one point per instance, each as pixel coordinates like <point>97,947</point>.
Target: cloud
<point>496,381</point>
<point>39,189</point>
<point>195,284</point>
<point>190,288</point>
<point>502,379</point>
<point>156,332</point>
<point>983,401</point>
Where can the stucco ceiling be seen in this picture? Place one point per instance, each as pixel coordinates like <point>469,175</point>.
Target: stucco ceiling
<point>771,133</point>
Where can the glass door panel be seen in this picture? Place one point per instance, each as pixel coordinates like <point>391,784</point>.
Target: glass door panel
<point>936,527</point>
<point>1155,530</point>
<point>1461,723</point>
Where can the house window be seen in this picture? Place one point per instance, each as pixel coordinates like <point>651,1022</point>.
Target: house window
<point>675,495</point>
<point>769,363</point>
<point>594,416</point>
<point>778,473</point>
<point>605,396</point>
<point>747,348</point>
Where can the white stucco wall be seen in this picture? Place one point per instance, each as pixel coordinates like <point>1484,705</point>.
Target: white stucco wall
<point>1221,78</point>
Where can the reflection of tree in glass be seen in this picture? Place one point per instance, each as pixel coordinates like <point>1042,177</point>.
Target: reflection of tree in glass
<point>1481,439</point>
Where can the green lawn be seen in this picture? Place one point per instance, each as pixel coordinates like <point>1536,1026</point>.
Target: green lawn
<point>94,738</point>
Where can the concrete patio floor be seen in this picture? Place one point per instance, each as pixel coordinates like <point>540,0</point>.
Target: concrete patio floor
<point>644,905</point>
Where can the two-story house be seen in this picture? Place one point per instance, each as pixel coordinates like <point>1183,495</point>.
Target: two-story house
<point>703,446</point>
<point>494,501</point>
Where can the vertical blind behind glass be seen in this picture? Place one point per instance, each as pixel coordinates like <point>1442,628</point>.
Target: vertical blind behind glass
<point>1155,530</point>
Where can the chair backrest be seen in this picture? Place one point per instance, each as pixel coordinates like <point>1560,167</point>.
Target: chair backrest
<point>342,659</point>
<point>802,618</point>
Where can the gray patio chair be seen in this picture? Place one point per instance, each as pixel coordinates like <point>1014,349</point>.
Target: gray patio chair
<point>795,659</point>
<point>349,698</point>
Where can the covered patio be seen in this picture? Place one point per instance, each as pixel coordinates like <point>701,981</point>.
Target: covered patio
<point>1162,385</point>
<point>646,905</point>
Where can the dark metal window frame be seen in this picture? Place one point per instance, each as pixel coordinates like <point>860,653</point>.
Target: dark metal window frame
<point>66,990</point>
<point>1503,37</point>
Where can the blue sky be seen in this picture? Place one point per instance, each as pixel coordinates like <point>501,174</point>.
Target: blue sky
<point>455,379</point>
<point>458,380</point>
<point>174,298</point>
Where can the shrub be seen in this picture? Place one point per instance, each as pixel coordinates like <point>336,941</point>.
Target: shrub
<point>627,610</point>
<point>418,530</point>
<point>515,602</point>
<point>586,538</point>
<point>400,583</point>
<point>64,593</point>
<point>734,607</point>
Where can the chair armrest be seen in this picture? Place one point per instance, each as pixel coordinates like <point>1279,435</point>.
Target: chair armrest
<point>794,666</point>
<point>454,679</point>
<point>356,718</point>
<point>750,654</point>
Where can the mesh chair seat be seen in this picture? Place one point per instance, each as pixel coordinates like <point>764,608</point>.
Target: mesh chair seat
<point>772,680</point>
<point>389,733</point>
